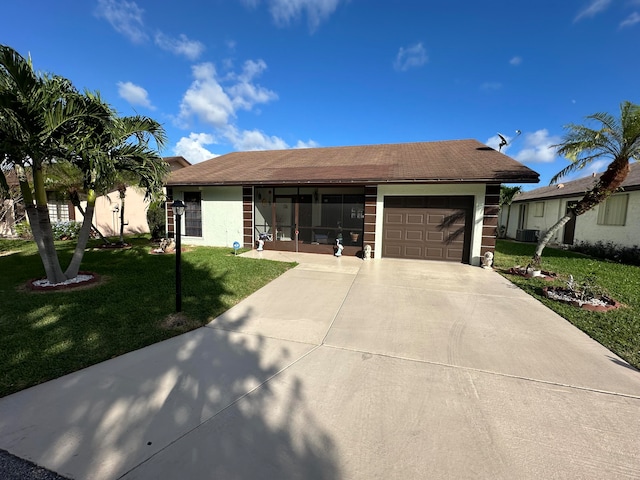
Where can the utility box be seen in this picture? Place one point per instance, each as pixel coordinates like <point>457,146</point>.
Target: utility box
<point>527,235</point>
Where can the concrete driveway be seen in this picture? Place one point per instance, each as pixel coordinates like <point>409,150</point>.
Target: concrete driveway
<point>345,369</point>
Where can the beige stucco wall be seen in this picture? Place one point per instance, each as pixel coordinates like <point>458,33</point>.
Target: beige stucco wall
<point>221,216</point>
<point>108,221</point>
<point>476,190</point>
<point>587,228</point>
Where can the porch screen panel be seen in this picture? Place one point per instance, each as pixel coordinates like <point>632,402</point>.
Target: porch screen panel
<point>193,214</point>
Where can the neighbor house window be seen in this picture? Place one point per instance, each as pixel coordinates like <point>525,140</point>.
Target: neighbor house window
<point>538,209</point>
<point>58,209</point>
<point>613,211</point>
<point>193,214</point>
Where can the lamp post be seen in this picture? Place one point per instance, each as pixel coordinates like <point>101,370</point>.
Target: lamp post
<point>178,210</point>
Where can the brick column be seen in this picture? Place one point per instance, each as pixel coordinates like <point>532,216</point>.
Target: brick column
<point>490,219</point>
<point>370,201</point>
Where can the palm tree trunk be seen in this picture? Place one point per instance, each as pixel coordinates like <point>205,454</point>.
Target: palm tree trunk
<point>38,215</point>
<point>506,230</point>
<point>122,196</point>
<point>550,233</point>
<point>83,237</point>
<point>76,203</point>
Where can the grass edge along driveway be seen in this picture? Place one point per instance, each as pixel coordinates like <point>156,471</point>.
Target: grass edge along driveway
<point>44,335</point>
<point>617,330</point>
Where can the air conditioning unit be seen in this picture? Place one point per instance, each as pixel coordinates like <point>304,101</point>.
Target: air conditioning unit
<point>527,235</point>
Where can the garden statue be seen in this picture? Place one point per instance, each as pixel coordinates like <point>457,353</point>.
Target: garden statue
<point>338,248</point>
<point>367,252</point>
<point>487,260</point>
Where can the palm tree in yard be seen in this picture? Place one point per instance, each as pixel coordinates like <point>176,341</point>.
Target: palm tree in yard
<point>506,198</point>
<point>617,139</point>
<point>44,120</point>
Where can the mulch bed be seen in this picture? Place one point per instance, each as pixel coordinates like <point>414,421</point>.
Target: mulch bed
<point>522,272</point>
<point>600,303</point>
<point>95,278</point>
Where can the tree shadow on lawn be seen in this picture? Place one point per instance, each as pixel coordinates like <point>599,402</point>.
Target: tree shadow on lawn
<point>208,402</point>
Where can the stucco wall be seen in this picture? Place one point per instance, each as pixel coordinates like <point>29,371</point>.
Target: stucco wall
<point>221,217</point>
<point>475,190</point>
<point>108,220</point>
<point>587,228</point>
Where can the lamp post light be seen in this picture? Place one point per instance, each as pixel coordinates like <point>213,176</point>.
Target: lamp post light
<point>178,210</point>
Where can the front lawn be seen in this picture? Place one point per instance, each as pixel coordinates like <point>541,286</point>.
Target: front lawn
<point>47,335</point>
<point>618,330</point>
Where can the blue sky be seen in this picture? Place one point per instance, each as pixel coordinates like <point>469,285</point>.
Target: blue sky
<point>227,75</point>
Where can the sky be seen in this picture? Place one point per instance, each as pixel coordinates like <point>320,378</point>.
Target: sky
<point>234,75</point>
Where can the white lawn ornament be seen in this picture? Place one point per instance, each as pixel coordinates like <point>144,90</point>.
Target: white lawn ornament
<point>260,245</point>
<point>487,260</point>
<point>339,248</point>
<point>367,252</point>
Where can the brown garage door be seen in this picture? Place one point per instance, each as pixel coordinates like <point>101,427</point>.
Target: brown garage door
<point>428,228</point>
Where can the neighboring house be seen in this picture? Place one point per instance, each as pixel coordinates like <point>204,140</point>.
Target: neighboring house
<point>428,200</point>
<point>107,210</point>
<point>106,215</point>
<point>616,220</point>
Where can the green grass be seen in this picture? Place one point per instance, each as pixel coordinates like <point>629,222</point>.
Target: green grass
<point>44,335</point>
<point>618,330</point>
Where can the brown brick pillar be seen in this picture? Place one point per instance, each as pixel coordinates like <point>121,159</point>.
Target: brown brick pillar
<point>370,201</point>
<point>247,217</point>
<point>490,219</point>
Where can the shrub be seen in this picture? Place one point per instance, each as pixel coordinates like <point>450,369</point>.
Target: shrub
<point>156,220</point>
<point>609,251</point>
<point>23,230</point>
<point>65,230</point>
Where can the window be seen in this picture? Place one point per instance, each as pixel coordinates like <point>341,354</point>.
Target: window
<point>193,214</point>
<point>58,209</point>
<point>538,209</point>
<point>613,211</point>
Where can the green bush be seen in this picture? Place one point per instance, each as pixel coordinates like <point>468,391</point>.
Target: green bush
<point>156,220</point>
<point>23,230</point>
<point>65,230</point>
<point>609,251</point>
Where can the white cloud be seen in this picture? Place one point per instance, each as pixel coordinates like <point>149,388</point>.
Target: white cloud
<point>631,20</point>
<point>538,147</point>
<point>206,98</point>
<point>246,94</point>
<point>284,12</point>
<point>134,94</point>
<point>515,61</point>
<point>125,17</point>
<point>410,57</point>
<point>309,144</point>
<point>594,8</point>
<point>215,104</point>
<point>192,147</point>
<point>254,140</point>
<point>191,49</point>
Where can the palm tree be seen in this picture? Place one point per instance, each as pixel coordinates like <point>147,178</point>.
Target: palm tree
<point>44,120</point>
<point>122,148</point>
<point>617,139</point>
<point>507,195</point>
<point>39,116</point>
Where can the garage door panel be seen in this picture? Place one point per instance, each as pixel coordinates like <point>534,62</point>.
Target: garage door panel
<point>415,219</point>
<point>414,235</point>
<point>394,218</point>
<point>393,234</point>
<point>413,252</point>
<point>432,228</point>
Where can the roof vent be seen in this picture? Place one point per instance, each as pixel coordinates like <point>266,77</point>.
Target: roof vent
<point>561,185</point>
<point>593,174</point>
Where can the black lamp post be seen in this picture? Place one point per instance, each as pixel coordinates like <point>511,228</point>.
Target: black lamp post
<point>178,210</point>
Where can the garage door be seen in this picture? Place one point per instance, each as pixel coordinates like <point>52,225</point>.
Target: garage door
<point>429,228</point>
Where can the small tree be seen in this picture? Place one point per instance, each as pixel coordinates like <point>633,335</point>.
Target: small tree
<point>507,195</point>
<point>617,139</point>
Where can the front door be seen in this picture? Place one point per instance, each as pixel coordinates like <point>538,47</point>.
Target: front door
<point>292,219</point>
<point>569,227</point>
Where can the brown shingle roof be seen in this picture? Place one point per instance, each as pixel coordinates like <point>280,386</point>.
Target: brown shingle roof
<point>426,162</point>
<point>577,187</point>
